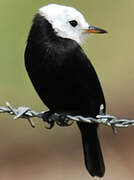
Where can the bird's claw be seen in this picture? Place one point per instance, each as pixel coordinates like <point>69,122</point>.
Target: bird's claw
<point>47,118</point>
<point>64,121</point>
<point>61,120</point>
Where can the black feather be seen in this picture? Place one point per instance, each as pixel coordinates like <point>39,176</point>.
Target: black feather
<point>66,81</point>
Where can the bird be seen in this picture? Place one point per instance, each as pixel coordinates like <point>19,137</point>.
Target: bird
<point>63,76</point>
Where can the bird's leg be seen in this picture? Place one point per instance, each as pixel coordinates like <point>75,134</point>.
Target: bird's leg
<point>47,118</point>
<point>63,120</point>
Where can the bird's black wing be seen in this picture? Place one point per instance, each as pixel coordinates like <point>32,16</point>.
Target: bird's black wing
<point>72,81</point>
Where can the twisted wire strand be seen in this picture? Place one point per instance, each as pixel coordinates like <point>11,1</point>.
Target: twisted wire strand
<point>28,114</point>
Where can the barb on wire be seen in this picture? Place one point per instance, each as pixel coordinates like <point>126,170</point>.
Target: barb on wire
<point>65,119</point>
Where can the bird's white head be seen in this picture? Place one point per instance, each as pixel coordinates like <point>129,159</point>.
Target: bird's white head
<point>67,22</point>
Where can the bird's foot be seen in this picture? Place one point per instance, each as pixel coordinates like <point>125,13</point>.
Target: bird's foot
<point>63,120</point>
<point>60,119</point>
<point>47,117</point>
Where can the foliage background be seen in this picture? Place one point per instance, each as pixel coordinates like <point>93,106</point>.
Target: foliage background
<point>27,153</point>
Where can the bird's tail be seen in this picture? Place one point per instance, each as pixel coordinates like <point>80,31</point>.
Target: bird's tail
<point>92,151</point>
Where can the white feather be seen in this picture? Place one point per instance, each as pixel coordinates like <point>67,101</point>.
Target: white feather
<point>59,17</point>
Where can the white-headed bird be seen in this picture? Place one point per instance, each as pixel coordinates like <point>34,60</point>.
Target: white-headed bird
<point>62,74</point>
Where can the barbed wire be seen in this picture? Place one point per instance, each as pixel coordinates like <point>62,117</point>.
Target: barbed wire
<point>65,119</point>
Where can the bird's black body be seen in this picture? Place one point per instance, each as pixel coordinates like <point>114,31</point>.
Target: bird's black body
<point>66,81</point>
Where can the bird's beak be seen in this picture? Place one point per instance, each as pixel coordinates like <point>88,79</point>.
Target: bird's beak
<point>95,30</point>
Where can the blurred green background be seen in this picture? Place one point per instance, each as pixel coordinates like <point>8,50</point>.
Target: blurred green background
<point>27,153</point>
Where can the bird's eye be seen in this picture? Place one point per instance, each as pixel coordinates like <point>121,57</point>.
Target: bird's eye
<point>73,23</point>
